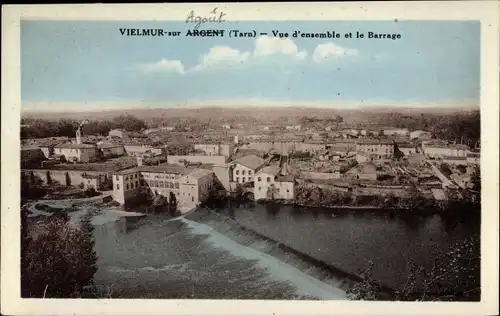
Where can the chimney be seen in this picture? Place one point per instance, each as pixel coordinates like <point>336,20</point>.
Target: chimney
<point>236,140</point>
<point>139,160</point>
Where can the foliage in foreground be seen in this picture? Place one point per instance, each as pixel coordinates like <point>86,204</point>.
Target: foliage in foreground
<point>57,258</point>
<point>454,276</point>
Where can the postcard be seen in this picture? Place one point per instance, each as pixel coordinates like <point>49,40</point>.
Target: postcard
<point>253,159</point>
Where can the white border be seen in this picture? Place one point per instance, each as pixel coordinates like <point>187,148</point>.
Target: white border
<point>485,11</point>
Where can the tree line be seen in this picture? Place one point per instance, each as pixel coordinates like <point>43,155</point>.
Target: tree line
<point>461,126</point>
<point>42,128</point>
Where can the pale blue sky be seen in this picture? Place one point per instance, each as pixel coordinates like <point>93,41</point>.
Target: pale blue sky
<point>92,61</point>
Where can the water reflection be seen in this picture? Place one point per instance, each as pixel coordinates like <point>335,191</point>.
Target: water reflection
<point>272,210</point>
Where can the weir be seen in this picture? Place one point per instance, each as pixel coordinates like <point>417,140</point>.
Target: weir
<point>343,278</point>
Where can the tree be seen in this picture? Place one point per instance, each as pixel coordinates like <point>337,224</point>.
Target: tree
<point>454,275</point>
<point>129,123</point>
<point>57,258</point>
<point>476,178</point>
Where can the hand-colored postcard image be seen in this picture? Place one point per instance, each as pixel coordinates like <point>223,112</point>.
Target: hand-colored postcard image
<point>212,158</point>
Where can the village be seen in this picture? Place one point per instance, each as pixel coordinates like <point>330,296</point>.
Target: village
<point>283,164</point>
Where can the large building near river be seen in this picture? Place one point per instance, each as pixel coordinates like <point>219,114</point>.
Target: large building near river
<point>188,186</point>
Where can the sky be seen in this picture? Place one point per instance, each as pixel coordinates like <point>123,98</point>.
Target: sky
<point>91,64</point>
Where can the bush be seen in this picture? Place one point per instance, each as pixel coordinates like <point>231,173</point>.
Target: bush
<point>57,259</point>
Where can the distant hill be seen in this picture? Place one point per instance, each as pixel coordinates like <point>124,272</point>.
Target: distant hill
<point>259,113</point>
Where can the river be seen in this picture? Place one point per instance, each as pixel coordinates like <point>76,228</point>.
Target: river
<point>210,254</point>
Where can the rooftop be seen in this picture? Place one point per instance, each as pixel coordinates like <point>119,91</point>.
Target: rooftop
<point>287,178</point>
<point>75,146</point>
<point>200,173</point>
<point>273,170</point>
<point>364,168</point>
<point>375,142</point>
<point>251,161</point>
<point>164,168</point>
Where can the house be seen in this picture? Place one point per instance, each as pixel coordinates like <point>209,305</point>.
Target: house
<point>143,150</point>
<point>422,135</point>
<point>474,158</point>
<point>362,171</point>
<point>455,160</point>
<point>323,155</point>
<point>293,128</point>
<point>215,149</point>
<point>396,132</point>
<point>226,126</point>
<point>77,152</point>
<point>270,184</point>
<point>111,150</point>
<point>375,149</point>
<point>118,133</point>
<point>196,187</point>
<point>245,168</point>
<point>407,149</point>
<point>440,150</point>
<point>91,181</point>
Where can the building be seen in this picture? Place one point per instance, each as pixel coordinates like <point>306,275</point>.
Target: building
<point>396,132</point>
<point>474,158</point>
<point>270,184</point>
<point>293,128</point>
<point>245,168</point>
<point>143,150</point>
<point>176,159</point>
<point>375,149</point>
<point>226,126</point>
<point>111,150</point>
<point>185,186</point>
<point>91,181</point>
<point>455,160</point>
<point>439,150</point>
<point>407,149</point>
<point>422,135</point>
<point>196,187</point>
<point>119,133</point>
<point>77,152</point>
<point>215,149</point>
<point>363,171</point>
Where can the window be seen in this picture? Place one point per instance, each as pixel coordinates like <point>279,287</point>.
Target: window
<point>260,188</point>
<point>177,185</point>
<point>126,177</point>
<point>237,179</point>
<point>118,187</point>
<point>142,183</point>
<point>192,199</point>
<point>268,179</point>
<point>287,191</point>
<point>249,172</point>
<point>243,180</point>
<point>127,186</point>
<point>259,178</point>
<point>171,185</point>
<point>278,190</point>
<point>116,178</point>
<point>136,184</point>
<point>237,172</point>
<point>243,172</point>
<point>136,175</point>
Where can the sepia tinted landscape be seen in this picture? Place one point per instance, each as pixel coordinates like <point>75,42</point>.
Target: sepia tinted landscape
<point>134,184</point>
